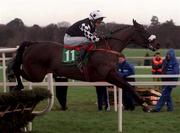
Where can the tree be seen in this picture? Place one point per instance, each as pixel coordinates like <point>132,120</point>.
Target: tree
<point>63,24</point>
<point>16,23</point>
<point>169,23</point>
<point>5,34</point>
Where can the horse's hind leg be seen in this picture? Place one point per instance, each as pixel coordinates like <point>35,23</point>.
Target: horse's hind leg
<point>19,85</point>
<point>13,68</point>
<point>115,79</point>
<point>34,73</point>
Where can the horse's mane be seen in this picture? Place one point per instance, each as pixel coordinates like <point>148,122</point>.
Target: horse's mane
<point>57,43</point>
<point>119,29</point>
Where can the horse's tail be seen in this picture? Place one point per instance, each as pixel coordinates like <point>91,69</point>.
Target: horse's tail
<point>14,66</point>
<point>19,55</point>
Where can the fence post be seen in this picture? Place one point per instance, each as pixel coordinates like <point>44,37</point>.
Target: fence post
<point>30,85</point>
<point>50,88</point>
<point>119,110</point>
<point>4,71</point>
<point>50,100</point>
<point>29,125</point>
<point>115,98</point>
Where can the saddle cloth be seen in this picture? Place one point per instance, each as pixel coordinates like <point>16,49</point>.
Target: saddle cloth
<point>71,53</point>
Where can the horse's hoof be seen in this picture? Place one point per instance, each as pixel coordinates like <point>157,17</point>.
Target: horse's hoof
<point>16,89</point>
<point>146,107</point>
<point>64,108</point>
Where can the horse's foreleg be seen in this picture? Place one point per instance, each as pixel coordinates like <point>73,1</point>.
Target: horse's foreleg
<point>115,79</point>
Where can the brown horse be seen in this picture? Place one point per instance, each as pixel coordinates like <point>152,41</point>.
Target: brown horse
<point>35,59</point>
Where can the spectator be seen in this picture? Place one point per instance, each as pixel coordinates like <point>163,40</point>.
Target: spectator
<point>147,61</point>
<point>157,67</point>
<point>157,64</point>
<point>61,92</point>
<point>125,69</point>
<point>170,66</point>
<point>102,98</point>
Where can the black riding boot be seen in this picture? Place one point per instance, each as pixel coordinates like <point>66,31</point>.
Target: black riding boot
<point>81,57</point>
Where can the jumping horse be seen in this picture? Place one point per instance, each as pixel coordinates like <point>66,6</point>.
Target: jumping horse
<point>35,59</point>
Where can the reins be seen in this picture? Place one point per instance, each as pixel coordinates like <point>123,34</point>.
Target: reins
<point>107,50</point>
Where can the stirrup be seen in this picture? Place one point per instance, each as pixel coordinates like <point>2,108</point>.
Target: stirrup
<point>79,64</point>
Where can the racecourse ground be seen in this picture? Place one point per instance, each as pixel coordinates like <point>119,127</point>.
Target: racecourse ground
<point>83,117</point>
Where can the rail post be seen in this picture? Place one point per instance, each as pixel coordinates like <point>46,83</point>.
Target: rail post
<point>4,71</point>
<point>115,98</point>
<point>119,110</point>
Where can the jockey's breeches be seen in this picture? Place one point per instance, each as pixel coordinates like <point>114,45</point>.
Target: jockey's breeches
<point>74,41</point>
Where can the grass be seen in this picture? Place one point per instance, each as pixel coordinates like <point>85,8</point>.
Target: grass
<point>83,117</point>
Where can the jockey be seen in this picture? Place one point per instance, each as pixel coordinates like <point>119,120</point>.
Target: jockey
<point>83,32</point>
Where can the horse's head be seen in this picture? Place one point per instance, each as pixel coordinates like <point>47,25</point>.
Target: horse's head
<point>144,38</point>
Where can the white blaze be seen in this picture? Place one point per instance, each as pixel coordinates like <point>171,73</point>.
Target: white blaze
<point>151,38</point>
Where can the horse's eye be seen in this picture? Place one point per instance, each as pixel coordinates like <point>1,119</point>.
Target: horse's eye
<point>142,28</point>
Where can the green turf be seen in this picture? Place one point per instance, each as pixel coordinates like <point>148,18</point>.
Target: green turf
<point>83,117</point>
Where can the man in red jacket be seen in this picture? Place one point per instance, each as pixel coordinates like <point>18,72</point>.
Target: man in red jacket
<point>157,64</point>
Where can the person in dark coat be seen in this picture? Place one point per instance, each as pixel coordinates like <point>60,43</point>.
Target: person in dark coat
<point>170,66</point>
<point>124,70</point>
<point>61,92</point>
<point>102,98</point>
<point>147,61</point>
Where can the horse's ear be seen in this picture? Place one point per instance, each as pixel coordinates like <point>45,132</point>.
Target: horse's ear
<point>134,22</point>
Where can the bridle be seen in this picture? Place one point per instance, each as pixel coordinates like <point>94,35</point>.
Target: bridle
<point>108,49</point>
<point>146,40</point>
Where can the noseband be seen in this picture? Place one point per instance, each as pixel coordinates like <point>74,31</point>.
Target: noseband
<point>147,40</point>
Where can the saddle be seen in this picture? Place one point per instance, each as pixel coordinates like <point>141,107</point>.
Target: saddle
<point>73,53</point>
<point>77,54</point>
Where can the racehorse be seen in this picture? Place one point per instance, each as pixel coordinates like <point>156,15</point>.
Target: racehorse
<point>35,59</point>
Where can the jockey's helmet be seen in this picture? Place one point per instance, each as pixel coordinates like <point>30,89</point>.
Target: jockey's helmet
<point>96,15</point>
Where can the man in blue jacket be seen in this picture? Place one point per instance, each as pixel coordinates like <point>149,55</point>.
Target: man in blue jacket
<point>125,69</point>
<point>170,66</point>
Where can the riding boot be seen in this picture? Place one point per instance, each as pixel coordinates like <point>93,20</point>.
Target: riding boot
<point>81,57</point>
